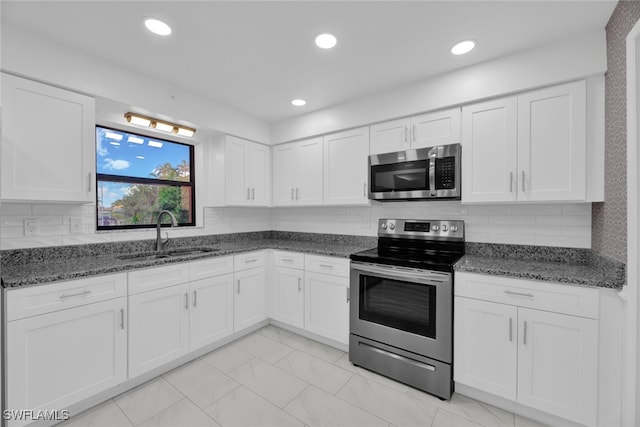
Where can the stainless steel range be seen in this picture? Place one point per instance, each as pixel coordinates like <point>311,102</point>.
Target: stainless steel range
<point>401,315</point>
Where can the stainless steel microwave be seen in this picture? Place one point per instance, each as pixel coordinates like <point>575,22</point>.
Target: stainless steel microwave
<point>420,174</point>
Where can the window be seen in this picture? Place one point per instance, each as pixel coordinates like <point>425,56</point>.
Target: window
<point>139,176</point>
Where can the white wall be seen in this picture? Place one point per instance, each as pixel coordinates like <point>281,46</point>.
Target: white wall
<point>25,54</point>
<point>566,60</point>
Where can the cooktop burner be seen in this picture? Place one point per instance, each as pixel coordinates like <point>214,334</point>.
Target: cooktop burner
<point>424,244</point>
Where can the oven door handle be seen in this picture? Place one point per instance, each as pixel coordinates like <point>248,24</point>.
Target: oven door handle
<point>411,274</point>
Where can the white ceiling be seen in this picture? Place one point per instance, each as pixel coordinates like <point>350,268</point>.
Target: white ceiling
<point>256,56</point>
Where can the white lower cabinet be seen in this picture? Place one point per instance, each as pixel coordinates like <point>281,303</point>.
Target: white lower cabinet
<point>159,327</point>
<point>531,342</point>
<point>211,311</point>
<point>59,358</point>
<point>326,299</point>
<point>249,300</point>
<point>181,316</point>
<point>287,290</point>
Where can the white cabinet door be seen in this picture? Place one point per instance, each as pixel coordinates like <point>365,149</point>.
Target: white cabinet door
<point>326,306</point>
<point>237,175</point>
<point>211,311</point>
<point>249,298</point>
<point>158,327</point>
<point>288,301</point>
<point>552,143</point>
<point>309,172</point>
<point>48,143</point>
<point>390,136</point>
<point>260,174</point>
<point>489,163</point>
<point>60,358</point>
<point>437,128</point>
<point>485,345</point>
<point>558,364</point>
<point>345,167</point>
<point>284,174</point>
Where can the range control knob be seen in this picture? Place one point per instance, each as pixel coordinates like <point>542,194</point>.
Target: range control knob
<point>384,226</point>
<point>435,227</point>
<point>392,226</point>
<point>454,228</point>
<point>445,228</point>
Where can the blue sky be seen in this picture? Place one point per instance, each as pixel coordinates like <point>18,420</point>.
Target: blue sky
<point>127,154</point>
<point>122,153</point>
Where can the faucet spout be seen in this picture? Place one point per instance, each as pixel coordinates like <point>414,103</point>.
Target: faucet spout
<point>174,223</point>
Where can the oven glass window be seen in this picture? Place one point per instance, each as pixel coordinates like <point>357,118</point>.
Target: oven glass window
<point>407,306</point>
<point>406,176</point>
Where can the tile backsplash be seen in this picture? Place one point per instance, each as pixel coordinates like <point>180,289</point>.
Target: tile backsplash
<point>563,225</point>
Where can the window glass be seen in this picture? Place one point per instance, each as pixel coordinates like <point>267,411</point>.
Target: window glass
<point>140,176</point>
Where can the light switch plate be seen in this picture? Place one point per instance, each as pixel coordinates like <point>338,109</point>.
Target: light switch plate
<point>31,227</point>
<point>75,225</point>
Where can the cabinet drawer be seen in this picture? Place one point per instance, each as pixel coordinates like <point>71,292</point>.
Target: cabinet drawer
<point>210,267</point>
<point>158,277</point>
<point>327,265</point>
<point>289,259</point>
<point>560,298</point>
<point>248,261</point>
<point>56,296</point>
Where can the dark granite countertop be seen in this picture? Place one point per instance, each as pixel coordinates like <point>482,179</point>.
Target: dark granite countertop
<point>561,265</point>
<point>41,265</point>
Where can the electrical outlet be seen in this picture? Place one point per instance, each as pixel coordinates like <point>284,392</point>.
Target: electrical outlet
<point>31,227</point>
<point>75,225</point>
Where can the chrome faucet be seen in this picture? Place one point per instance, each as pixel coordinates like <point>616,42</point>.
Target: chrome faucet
<point>174,223</point>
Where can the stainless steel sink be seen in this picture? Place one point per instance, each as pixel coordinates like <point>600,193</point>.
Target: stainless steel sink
<point>147,256</point>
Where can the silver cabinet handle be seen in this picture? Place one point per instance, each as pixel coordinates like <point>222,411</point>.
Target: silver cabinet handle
<point>287,259</point>
<point>519,294</point>
<point>297,195</point>
<point>79,294</point>
<point>292,193</point>
<point>406,129</point>
<point>122,318</point>
<point>523,181</point>
<point>510,182</point>
<point>364,189</point>
<point>247,261</point>
<point>195,299</point>
<point>524,334</point>
<point>299,284</point>
<point>326,266</point>
<point>90,180</point>
<point>348,295</point>
<point>186,300</point>
<point>238,291</point>
<point>253,194</point>
<point>510,329</point>
<point>414,133</point>
<point>248,193</point>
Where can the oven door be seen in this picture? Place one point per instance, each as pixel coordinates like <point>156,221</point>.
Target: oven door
<point>407,308</point>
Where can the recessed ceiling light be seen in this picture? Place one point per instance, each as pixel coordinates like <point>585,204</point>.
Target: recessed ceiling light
<point>157,27</point>
<point>463,47</point>
<point>299,102</point>
<point>326,41</point>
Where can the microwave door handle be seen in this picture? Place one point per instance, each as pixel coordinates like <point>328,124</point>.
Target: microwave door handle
<point>433,153</point>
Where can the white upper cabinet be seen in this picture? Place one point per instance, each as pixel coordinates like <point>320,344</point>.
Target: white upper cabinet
<point>248,173</point>
<point>532,147</point>
<point>425,130</point>
<point>297,173</point>
<point>552,149</point>
<point>48,143</point>
<point>489,152</point>
<point>345,167</point>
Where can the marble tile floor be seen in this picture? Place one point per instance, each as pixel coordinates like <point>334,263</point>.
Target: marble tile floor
<point>273,377</point>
